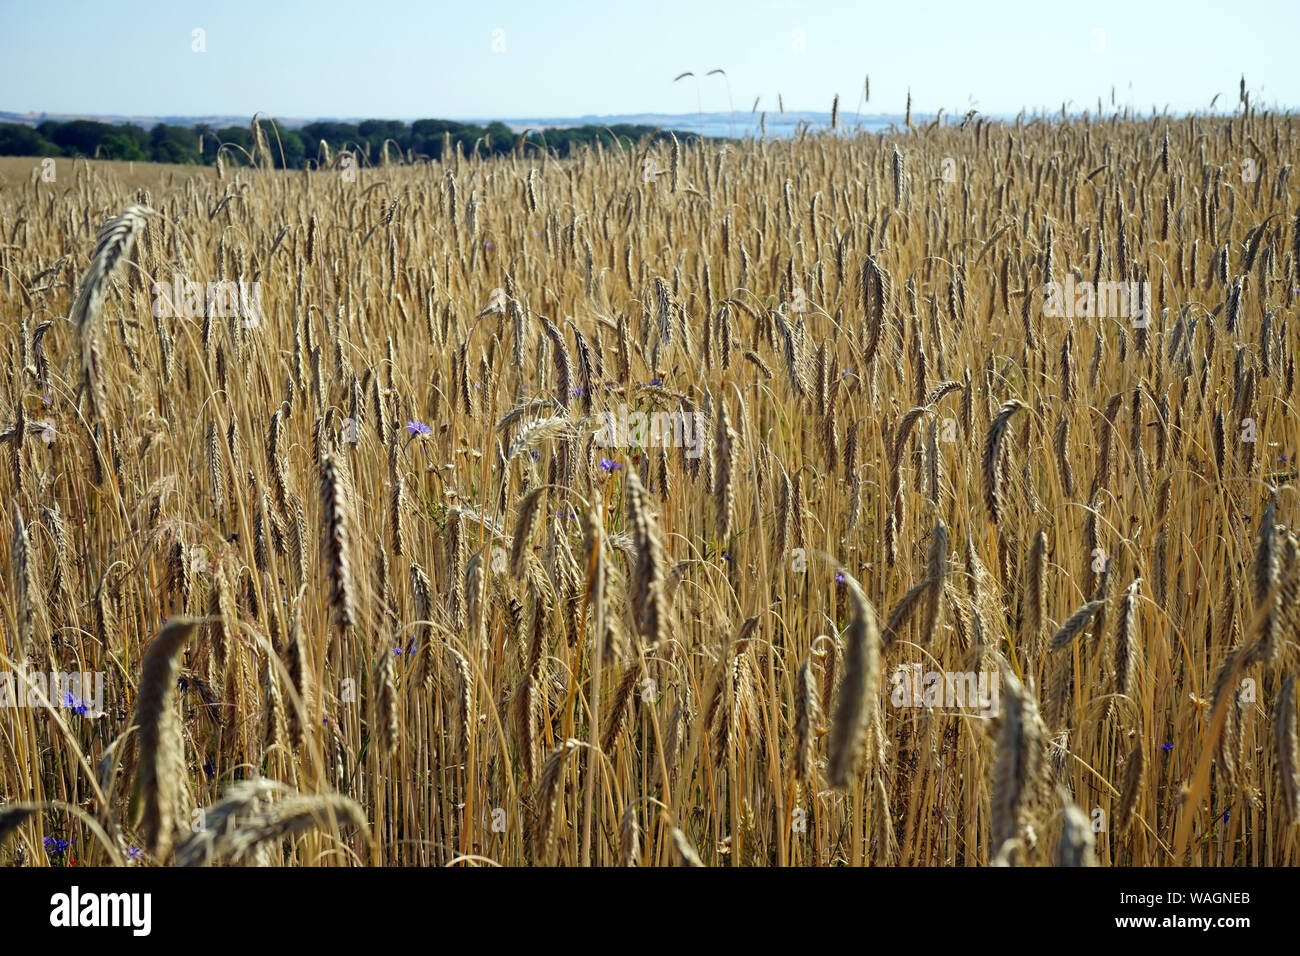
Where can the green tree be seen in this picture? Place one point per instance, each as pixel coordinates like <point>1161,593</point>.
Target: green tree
<point>501,139</point>
<point>336,135</point>
<point>293,149</point>
<point>19,140</point>
<point>376,132</point>
<point>240,139</point>
<point>120,146</point>
<point>173,144</point>
<point>77,137</point>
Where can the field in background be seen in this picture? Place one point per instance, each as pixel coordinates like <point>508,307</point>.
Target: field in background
<point>376,581</point>
<point>16,172</point>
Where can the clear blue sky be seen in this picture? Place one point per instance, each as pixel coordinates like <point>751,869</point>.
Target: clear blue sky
<point>404,58</point>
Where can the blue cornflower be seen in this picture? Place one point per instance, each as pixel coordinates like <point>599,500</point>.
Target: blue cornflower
<point>577,392</point>
<point>656,382</point>
<point>608,464</point>
<point>535,455</point>
<point>47,400</point>
<point>839,577</point>
<point>55,846</point>
<point>75,704</point>
<point>418,428</point>
<point>1167,746</point>
<point>134,853</point>
<point>209,768</point>
<point>726,557</point>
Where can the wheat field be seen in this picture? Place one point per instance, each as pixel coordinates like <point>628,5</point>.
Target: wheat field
<point>368,583</point>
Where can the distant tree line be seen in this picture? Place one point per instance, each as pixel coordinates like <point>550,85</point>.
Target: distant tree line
<point>298,148</point>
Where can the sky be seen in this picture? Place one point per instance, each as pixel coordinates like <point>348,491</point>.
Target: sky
<point>405,59</point>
